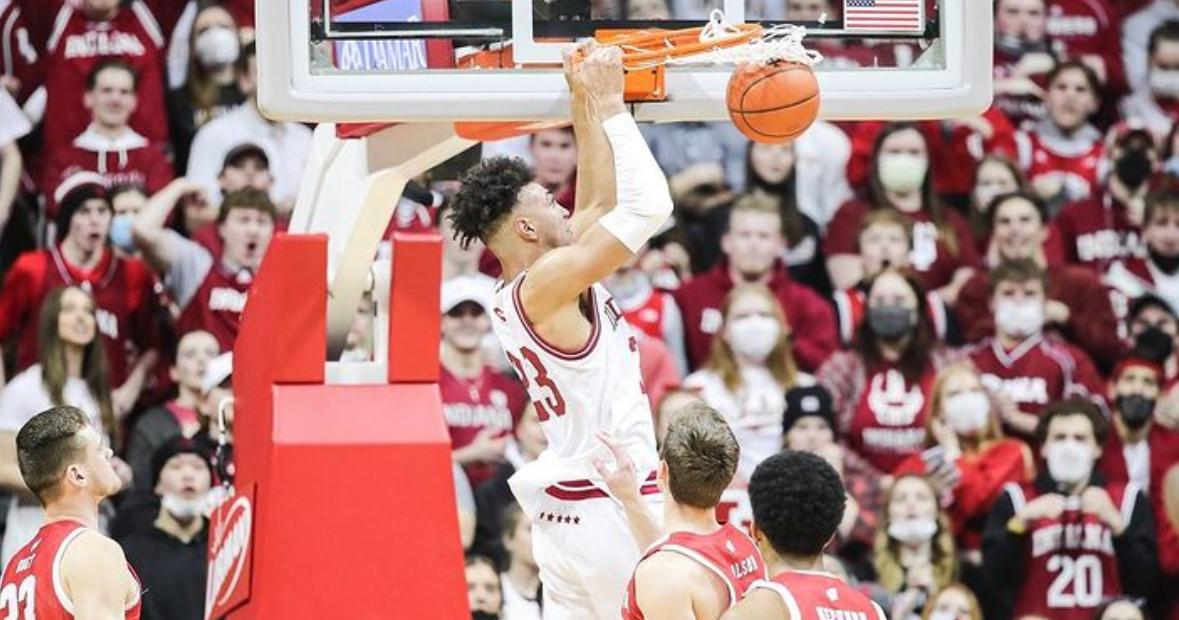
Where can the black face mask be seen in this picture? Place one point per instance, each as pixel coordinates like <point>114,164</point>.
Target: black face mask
<point>482,615</point>
<point>1166,264</point>
<point>1133,168</point>
<point>1017,47</point>
<point>1135,409</point>
<point>890,323</point>
<point>1154,344</point>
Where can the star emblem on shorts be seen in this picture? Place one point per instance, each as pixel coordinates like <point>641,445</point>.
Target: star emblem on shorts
<point>550,517</point>
<point>576,520</point>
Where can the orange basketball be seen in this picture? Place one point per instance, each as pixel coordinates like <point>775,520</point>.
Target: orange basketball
<point>774,102</point>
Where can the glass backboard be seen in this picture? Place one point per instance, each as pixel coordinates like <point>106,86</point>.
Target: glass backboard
<point>438,60</point>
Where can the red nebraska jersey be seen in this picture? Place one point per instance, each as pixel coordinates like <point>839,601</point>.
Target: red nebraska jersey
<point>77,44</point>
<point>1033,374</point>
<point>727,553</point>
<point>1070,563</point>
<point>128,160</point>
<point>1073,163</point>
<point>819,596</point>
<point>1097,232</point>
<point>125,296</point>
<point>217,305</point>
<point>888,424</point>
<point>31,586</point>
<point>931,257</point>
<point>490,401</point>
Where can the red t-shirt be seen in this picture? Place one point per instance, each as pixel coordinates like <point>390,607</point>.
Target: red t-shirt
<point>1097,232</point>
<point>888,424</point>
<point>1034,373</point>
<point>125,295</point>
<point>930,257</point>
<point>131,159</point>
<point>217,305</point>
<point>727,553</point>
<point>490,401</point>
<point>31,585</point>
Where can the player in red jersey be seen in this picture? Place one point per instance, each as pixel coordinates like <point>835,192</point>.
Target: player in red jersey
<point>69,570</point>
<point>700,568</point>
<point>798,501</point>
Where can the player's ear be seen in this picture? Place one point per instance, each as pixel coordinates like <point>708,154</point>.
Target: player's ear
<point>523,227</point>
<point>76,475</point>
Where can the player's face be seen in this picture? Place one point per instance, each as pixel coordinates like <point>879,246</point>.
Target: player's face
<point>246,234</point>
<point>545,217</point>
<point>529,435</point>
<point>1018,231</point>
<point>554,157</point>
<point>1070,100</point>
<point>1162,232</point>
<point>1025,19</point>
<point>1136,380</point>
<point>809,434</point>
<point>90,225</point>
<point>112,100</point>
<point>76,323</point>
<point>912,498</point>
<point>753,243</point>
<point>952,603</point>
<point>772,162</point>
<point>483,591</point>
<point>192,357</point>
<point>1070,428</point>
<point>464,327</point>
<point>186,476</point>
<point>1122,610</point>
<point>883,244</point>
<point>101,477</point>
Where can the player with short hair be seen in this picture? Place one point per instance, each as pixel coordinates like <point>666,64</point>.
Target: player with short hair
<point>798,501</point>
<point>700,568</point>
<point>70,569</point>
<point>565,336</point>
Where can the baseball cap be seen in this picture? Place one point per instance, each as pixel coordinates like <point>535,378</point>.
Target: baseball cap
<point>219,369</point>
<point>475,287</point>
<point>807,401</point>
<point>243,150</point>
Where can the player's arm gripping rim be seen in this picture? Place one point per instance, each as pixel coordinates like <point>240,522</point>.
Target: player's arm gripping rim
<point>597,189</point>
<point>94,573</point>
<point>643,201</point>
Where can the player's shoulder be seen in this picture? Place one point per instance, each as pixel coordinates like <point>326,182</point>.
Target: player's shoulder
<point>668,576</point>
<point>760,602</point>
<point>91,550</point>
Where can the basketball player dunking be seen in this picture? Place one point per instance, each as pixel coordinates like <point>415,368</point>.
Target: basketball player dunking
<point>69,570</point>
<point>566,337</point>
<point>798,501</point>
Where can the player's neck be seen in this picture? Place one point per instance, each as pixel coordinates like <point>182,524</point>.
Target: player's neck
<point>78,509</point>
<point>680,518</point>
<point>466,364</point>
<point>781,564</point>
<point>518,263</point>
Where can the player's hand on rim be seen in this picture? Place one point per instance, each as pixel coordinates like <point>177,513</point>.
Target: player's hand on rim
<point>622,480</point>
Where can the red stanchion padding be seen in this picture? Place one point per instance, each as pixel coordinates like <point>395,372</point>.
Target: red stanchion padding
<point>353,511</point>
<point>414,315</point>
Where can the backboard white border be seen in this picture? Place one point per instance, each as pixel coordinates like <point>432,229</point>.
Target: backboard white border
<point>288,91</point>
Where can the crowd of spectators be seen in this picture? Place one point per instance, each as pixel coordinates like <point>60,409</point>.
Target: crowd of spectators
<point>976,321</point>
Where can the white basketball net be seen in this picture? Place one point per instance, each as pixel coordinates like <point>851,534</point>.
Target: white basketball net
<point>782,42</point>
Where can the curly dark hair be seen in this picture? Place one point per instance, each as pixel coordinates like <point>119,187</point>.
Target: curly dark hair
<point>798,501</point>
<point>488,193</point>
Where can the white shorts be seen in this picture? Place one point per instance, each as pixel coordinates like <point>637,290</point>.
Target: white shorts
<point>583,545</point>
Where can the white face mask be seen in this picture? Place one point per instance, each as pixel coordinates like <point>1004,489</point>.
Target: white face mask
<point>1020,319</point>
<point>901,173</point>
<point>184,509</point>
<point>912,531</point>
<point>1069,461</point>
<point>217,47</point>
<point>967,412</point>
<point>1164,82</point>
<point>754,336</point>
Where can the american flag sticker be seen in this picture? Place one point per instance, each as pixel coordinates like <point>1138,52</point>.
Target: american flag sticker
<point>884,15</point>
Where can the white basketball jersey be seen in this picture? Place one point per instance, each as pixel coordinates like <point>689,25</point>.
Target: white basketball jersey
<point>579,393</point>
